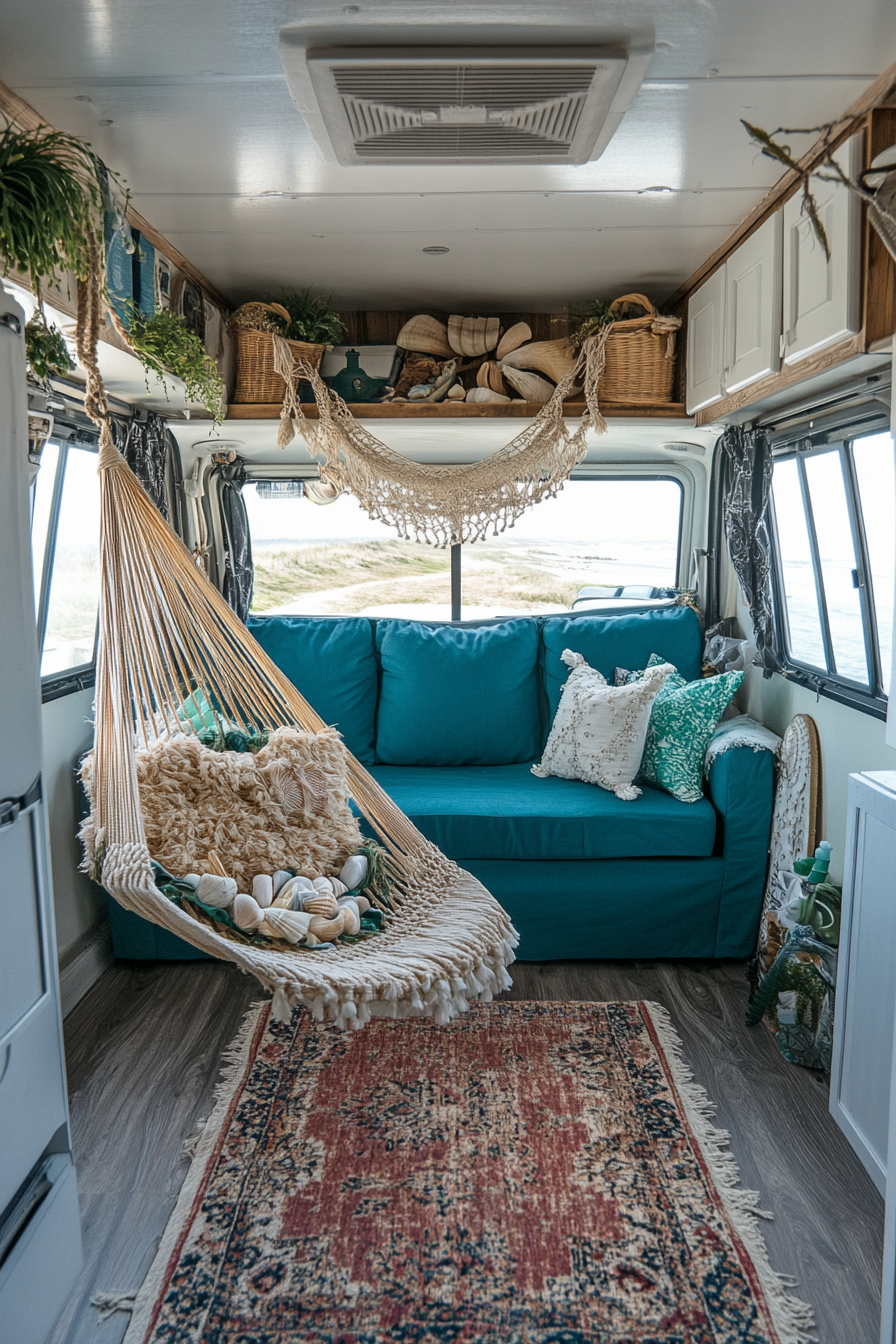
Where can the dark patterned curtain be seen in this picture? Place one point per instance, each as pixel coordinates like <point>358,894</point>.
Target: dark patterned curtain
<point>749,479</point>
<point>146,449</point>
<point>239,571</point>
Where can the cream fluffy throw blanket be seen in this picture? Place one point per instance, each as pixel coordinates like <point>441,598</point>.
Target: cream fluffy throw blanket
<point>284,807</point>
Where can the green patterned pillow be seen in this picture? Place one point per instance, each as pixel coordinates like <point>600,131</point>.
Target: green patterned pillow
<point>682,721</point>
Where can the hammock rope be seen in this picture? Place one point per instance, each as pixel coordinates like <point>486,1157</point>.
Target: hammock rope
<point>167,634</point>
<point>442,505</point>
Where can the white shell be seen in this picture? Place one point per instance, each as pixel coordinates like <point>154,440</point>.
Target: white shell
<point>216,891</point>
<point>280,877</point>
<point>455,393</point>
<point>247,913</point>
<point>323,884</point>
<point>190,880</point>
<point>288,924</point>
<point>529,385</point>
<point>352,916</point>
<point>263,889</point>
<point>319,904</point>
<point>485,394</point>
<point>354,872</point>
<point>516,335</point>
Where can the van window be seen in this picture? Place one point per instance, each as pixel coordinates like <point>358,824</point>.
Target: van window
<point>835,528</point>
<point>597,532</point>
<point>65,529</point>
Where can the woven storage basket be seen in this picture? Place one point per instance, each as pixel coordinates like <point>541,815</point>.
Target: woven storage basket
<point>257,383</point>
<point>640,365</point>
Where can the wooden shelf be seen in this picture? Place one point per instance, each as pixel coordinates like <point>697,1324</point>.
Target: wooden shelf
<point>452,410</point>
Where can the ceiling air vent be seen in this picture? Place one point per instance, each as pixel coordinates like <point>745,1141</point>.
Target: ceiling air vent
<point>447,105</point>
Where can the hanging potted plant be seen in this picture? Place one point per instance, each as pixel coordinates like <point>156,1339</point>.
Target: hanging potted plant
<point>164,344</point>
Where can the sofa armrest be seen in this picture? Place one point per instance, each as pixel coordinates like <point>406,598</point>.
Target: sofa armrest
<point>740,787</point>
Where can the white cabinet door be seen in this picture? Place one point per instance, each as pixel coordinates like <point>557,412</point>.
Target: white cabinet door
<point>705,348</point>
<point>753,307</point>
<point>821,297</point>
<point>866,973</point>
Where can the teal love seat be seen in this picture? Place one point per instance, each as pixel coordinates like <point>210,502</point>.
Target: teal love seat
<point>448,719</point>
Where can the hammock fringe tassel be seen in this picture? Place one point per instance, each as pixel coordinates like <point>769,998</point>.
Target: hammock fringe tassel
<point>441,505</point>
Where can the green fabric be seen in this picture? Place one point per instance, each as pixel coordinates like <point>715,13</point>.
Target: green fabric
<point>451,695</point>
<point>197,711</point>
<point>682,721</point>
<point>610,641</point>
<point>505,812</point>
<point>332,661</point>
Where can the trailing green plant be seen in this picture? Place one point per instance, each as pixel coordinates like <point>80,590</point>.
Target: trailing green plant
<point>52,187</point>
<point>311,319</point>
<point>45,348</point>
<point>589,319</point>
<point>164,345</point>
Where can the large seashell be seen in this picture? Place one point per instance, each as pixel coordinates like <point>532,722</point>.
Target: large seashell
<point>323,884</point>
<point>473,335</point>
<point>354,872</point>
<point>456,393</point>
<point>484,394</point>
<point>281,877</point>
<point>216,891</point>
<point>290,894</point>
<point>263,889</point>
<point>247,913</point>
<point>339,888</point>
<point>325,930</point>
<point>555,358</point>
<point>514,336</point>
<point>529,385</point>
<point>425,335</point>
<point>190,880</point>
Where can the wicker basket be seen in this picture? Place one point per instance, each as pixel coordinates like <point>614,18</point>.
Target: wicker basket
<point>257,382</point>
<point>640,366</point>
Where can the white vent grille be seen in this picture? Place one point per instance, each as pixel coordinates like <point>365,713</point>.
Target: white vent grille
<point>532,106</point>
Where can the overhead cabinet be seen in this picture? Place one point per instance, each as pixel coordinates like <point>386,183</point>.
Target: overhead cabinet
<point>822,298</point>
<point>753,307</point>
<point>705,347</point>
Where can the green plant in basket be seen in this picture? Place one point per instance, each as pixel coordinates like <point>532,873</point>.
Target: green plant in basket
<point>310,319</point>
<point>589,319</point>
<point>45,348</point>
<point>164,345</point>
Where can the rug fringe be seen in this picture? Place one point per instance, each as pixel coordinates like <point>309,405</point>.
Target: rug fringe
<point>234,1063</point>
<point>793,1319</point>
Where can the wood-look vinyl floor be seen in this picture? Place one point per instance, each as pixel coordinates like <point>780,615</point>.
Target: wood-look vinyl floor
<point>144,1048</point>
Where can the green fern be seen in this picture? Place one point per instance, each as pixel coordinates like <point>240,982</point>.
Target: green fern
<point>164,345</point>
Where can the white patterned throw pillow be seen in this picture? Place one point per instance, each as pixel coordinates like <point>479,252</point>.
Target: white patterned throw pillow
<point>599,730</point>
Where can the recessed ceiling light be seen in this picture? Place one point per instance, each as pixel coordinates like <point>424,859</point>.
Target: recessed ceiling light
<point>436,251</point>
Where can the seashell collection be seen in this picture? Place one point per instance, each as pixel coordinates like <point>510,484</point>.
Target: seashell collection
<point>502,365</point>
<point>304,911</point>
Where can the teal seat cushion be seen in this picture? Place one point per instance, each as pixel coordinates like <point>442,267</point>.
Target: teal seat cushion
<point>608,642</point>
<point>505,812</point>
<point>452,695</point>
<point>332,661</point>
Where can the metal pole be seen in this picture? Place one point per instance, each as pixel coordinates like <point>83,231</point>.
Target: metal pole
<point>455,581</point>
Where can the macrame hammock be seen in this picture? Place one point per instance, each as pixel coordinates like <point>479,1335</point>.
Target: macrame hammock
<point>443,505</point>
<point>168,639</point>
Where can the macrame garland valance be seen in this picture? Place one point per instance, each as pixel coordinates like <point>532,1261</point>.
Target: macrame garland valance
<point>442,505</point>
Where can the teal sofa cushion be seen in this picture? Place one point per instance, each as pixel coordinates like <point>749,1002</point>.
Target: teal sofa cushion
<point>609,641</point>
<point>332,661</point>
<point>451,695</point>
<point>505,812</point>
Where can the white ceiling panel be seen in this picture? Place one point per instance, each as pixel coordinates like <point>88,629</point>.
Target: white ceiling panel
<point>187,99</point>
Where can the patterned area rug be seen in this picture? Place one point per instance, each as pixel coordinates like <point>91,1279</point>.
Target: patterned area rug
<point>534,1172</point>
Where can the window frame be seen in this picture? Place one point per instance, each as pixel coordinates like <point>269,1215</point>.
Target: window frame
<point>55,685</point>
<point>811,438</point>
<point>676,473</point>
